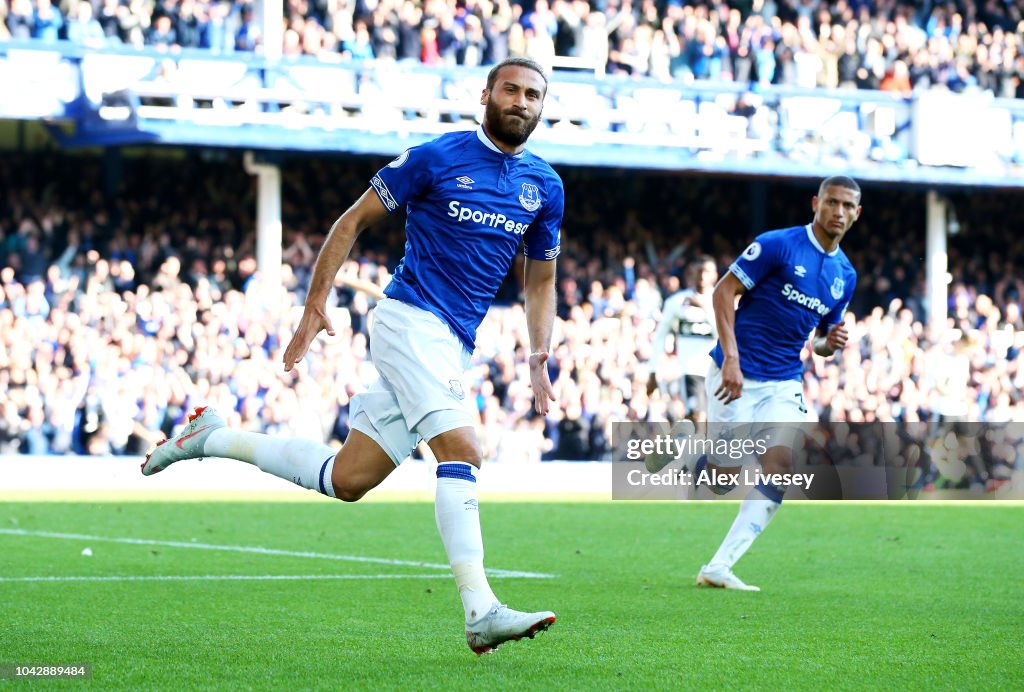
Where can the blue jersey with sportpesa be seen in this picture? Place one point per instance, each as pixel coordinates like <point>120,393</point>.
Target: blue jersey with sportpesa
<point>793,288</point>
<point>468,206</point>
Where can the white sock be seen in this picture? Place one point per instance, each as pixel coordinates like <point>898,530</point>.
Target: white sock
<point>756,511</point>
<point>458,522</point>
<point>303,462</point>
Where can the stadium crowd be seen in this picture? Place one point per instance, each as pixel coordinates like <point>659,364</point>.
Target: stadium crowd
<point>119,312</point>
<point>891,45</point>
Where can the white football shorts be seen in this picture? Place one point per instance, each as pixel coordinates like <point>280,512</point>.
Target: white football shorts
<point>768,414</point>
<point>419,392</point>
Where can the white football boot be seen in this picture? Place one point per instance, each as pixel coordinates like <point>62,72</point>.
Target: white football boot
<point>721,577</point>
<point>656,462</point>
<point>188,444</point>
<point>502,624</point>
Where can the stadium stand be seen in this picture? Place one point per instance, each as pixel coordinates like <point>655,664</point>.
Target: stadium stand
<point>889,45</point>
<point>132,297</point>
<point>764,87</point>
<point>147,266</point>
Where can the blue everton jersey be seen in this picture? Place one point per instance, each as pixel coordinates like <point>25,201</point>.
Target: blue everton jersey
<point>793,288</point>
<point>468,206</point>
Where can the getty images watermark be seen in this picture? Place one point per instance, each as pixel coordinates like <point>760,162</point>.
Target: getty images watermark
<point>661,452</point>
<point>830,460</point>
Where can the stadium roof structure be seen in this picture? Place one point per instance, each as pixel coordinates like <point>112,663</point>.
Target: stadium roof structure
<point>120,97</point>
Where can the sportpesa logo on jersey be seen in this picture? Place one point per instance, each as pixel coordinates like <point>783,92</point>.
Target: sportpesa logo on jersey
<point>793,295</point>
<point>460,212</point>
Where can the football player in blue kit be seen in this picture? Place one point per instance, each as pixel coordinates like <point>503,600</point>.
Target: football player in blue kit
<point>790,283</point>
<point>471,199</point>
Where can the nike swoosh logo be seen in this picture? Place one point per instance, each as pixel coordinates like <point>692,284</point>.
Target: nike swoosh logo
<point>190,436</point>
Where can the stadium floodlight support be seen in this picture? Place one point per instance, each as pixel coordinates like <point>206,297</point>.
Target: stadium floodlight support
<point>270,15</point>
<point>268,223</point>
<point>936,264</point>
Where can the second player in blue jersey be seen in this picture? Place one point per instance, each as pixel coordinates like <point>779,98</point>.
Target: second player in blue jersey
<point>801,288</point>
<point>792,284</point>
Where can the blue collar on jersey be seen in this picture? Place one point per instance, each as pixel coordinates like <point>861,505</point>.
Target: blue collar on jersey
<point>814,241</point>
<point>482,136</point>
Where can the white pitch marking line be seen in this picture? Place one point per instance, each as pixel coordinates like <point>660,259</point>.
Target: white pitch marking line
<point>226,577</point>
<point>266,551</point>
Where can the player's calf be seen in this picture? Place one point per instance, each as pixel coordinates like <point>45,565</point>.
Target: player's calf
<point>777,459</point>
<point>360,466</point>
<point>349,475</point>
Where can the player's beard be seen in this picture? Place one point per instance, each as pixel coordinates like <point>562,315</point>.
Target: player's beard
<point>508,128</point>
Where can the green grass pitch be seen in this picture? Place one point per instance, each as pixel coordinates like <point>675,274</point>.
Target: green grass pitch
<point>859,596</point>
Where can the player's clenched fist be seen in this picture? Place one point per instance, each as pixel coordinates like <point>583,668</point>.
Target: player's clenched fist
<point>837,336</point>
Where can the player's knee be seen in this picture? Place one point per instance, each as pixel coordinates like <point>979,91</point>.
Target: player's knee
<point>459,444</point>
<point>465,454</point>
<point>347,491</point>
<point>777,460</point>
<point>716,469</point>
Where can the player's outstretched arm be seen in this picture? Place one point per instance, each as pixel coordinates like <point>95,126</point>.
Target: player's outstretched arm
<point>827,343</point>
<point>540,319</point>
<point>367,210</point>
<point>727,290</point>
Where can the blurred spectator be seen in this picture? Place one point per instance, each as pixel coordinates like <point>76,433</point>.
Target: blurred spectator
<point>108,21</point>
<point>359,46</point>
<point>218,33</point>
<point>83,28</point>
<point>48,21</point>
<point>247,36</point>
<point>162,34</point>
<point>134,21</point>
<point>19,19</point>
<point>897,78</point>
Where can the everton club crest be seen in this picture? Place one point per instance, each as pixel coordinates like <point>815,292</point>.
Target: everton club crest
<point>530,197</point>
<point>837,288</point>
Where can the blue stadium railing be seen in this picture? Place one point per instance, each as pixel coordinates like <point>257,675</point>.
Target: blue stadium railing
<point>119,96</point>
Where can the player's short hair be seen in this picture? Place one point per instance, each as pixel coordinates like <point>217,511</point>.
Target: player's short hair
<point>529,64</point>
<point>839,181</point>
